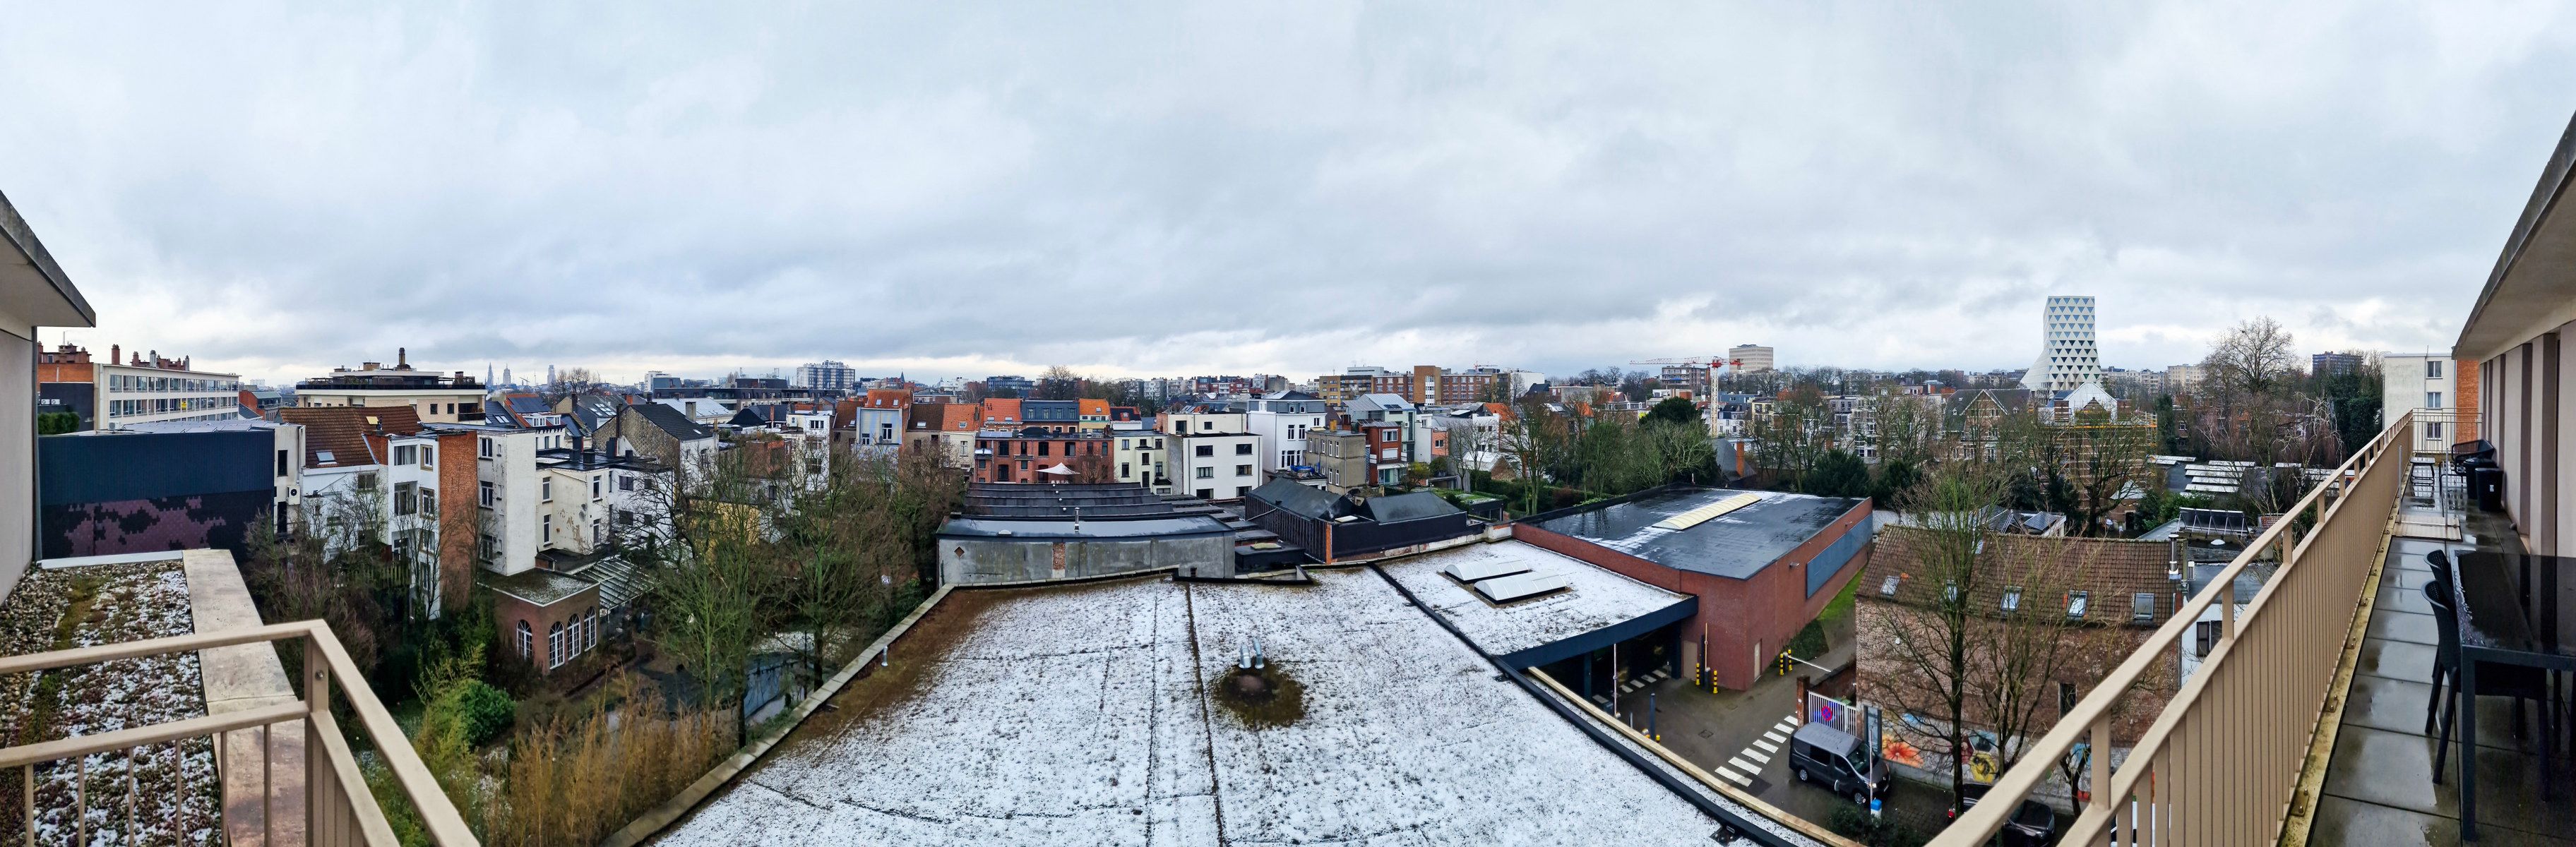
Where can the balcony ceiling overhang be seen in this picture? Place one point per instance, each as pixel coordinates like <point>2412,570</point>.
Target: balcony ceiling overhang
<point>33,290</point>
<point>2533,287</point>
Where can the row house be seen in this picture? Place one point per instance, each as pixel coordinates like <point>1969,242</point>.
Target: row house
<point>1282,420</point>
<point>1141,455</point>
<point>1041,455</point>
<point>1359,457</point>
<point>383,468</point>
<point>946,430</point>
<point>876,423</point>
<point>553,516</point>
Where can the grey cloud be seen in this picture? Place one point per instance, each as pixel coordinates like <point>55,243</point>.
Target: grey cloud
<point>1288,188</point>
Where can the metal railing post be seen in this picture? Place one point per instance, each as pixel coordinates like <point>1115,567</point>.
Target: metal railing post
<point>317,703</point>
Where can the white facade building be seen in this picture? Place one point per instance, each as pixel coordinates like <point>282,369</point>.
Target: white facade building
<point>1214,455</point>
<point>140,393</point>
<point>1282,421</point>
<point>2408,383</point>
<point>826,375</point>
<point>2068,358</point>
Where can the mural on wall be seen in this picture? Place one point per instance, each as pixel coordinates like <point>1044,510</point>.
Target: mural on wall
<point>222,521</point>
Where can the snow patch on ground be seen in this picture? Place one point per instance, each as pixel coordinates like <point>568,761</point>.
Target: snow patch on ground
<point>1079,716</point>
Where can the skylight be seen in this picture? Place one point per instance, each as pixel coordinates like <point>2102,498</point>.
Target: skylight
<point>1504,589</point>
<point>1703,514</point>
<point>2076,602</point>
<point>2143,607</point>
<point>2012,598</point>
<point>1887,588</point>
<point>325,457</point>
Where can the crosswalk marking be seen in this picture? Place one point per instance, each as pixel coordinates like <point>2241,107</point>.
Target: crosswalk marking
<point>1740,764</point>
<point>1732,777</point>
<point>1767,747</point>
<point>1749,754</point>
<point>1784,729</point>
<point>1775,737</point>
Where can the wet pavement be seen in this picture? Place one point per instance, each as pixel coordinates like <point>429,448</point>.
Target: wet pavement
<point>2379,786</point>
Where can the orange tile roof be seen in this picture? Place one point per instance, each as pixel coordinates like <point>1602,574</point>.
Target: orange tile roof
<point>889,398</point>
<point>1002,410</point>
<point>944,417</point>
<point>342,431</point>
<point>1094,408</point>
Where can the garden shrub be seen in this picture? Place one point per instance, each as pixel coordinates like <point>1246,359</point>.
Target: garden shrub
<point>486,710</point>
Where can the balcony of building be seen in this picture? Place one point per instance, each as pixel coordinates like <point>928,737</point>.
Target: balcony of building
<point>257,754</point>
<point>2306,723</point>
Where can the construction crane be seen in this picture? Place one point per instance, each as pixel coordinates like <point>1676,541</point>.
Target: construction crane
<point>1714,364</point>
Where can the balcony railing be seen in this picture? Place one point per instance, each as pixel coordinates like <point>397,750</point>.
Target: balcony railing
<point>337,807</point>
<point>2221,763</point>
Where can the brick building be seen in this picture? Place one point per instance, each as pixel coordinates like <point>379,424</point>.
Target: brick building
<point>1031,454</point>
<point>1762,563</point>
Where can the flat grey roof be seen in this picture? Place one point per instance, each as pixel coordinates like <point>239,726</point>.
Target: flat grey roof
<point>993,527</point>
<point>1737,544</point>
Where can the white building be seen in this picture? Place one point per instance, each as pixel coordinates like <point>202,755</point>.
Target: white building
<point>1213,454</point>
<point>1754,358</point>
<point>145,390</point>
<point>1141,455</point>
<point>437,398</point>
<point>1282,420</point>
<point>2412,382</point>
<point>2068,358</point>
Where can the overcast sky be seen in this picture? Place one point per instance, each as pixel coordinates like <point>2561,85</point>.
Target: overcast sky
<point>1229,188</point>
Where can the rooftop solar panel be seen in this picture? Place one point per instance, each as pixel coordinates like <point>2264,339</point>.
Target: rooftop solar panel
<point>1504,589</point>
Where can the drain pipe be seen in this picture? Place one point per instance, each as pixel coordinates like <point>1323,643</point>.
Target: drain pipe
<point>1689,791</point>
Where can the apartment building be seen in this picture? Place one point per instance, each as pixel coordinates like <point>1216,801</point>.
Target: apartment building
<point>1213,453</point>
<point>1042,455</point>
<point>437,398</point>
<point>944,429</point>
<point>876,420</point>
<point>2432,383</point>
<point>142,388</point>
<point>826,375</point>
<point>1363,456</point>
<point>1282,420</point>
<point>1752,358</point>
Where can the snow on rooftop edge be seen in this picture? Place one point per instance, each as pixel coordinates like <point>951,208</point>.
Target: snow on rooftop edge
<point>1599,597</point>
<point>1073,716</point>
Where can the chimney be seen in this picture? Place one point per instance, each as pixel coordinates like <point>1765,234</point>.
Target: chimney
<point>116,354</point>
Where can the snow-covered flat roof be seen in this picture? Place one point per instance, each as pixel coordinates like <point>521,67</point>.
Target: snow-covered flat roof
<point>1595,597</point>
<point>1078,715</point>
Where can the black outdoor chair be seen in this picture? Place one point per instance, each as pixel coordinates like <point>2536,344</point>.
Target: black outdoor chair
<point>2520,682</point>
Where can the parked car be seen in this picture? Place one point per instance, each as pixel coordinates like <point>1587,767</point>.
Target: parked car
<point>1833,758</point>
<point>2032,825</point>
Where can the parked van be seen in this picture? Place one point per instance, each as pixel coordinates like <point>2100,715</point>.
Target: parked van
<point>1830,757</point>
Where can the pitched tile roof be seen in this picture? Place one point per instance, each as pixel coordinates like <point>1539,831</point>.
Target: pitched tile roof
<point>2111,570</point>
<point>1001,410</point>
<point>888,398</point>
<point>341,431</point>
<point>945,417</point>
<point>1095,408</point>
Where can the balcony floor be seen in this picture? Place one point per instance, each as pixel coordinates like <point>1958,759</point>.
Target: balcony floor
<point>2379,785</point>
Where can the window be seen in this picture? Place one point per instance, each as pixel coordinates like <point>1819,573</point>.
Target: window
<point>1123,470</point>
<point>490,548</point>
<point>527,641</point>
<point>1206,473</point>
<point>406,498</point>
<point>546,490</point>
<point>1207,494</point>
<point>429,501</point>
<point>281,463</point>
<point>2432,429</point>
<point>2142,607</point>
<point>2065,698</point>
<point>2012,599</point>
<point>598,530</point>
<point>625,482</point>
<point>2432,369</point>
<point>429,454</point>
<point>546,528</point>
<point>2432,399</point>
<point>487,494</point>
<point>555,645</point>
<point>2204,638</point>
<point>595,488</point>
<point>486,447</point>
<point>1244,449</point>
<point>406,454</point>
<point>1205,450</point>
<point>1243,470</point>
<point>625,517</point>
<point>2076,601</point>
<point>591,638</point>
<point>1123,444</point>
<point>367,481</point>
